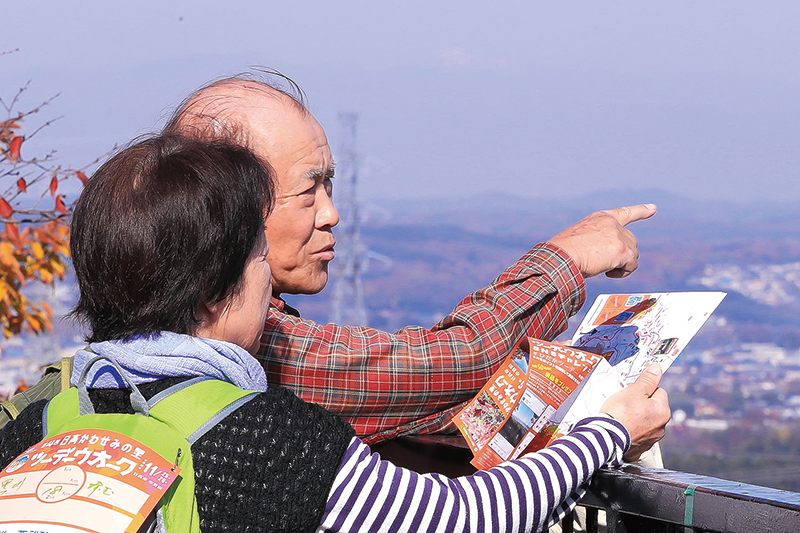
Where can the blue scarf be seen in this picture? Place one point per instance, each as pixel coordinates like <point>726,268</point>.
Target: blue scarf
<point>166,355</point>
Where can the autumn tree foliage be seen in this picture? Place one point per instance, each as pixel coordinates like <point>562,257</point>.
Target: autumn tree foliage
<point>34,241</point>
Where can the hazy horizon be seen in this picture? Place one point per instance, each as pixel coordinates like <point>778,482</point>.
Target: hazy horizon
<point>536,100</point>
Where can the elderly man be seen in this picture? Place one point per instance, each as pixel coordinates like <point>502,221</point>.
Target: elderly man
<point>414,380</point>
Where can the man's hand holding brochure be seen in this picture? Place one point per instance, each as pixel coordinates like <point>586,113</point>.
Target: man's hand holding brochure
<point>614,366</point>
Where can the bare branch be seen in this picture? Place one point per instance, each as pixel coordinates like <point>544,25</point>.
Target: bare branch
<point>16,97</point>
<point>22,114</point>
<point>40,128</point>
<point>36,216</point>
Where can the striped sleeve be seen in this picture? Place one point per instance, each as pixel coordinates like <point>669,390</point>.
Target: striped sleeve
<point>528,494</point>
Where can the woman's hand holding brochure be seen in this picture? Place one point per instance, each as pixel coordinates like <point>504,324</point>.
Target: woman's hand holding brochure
<point>643,408</point>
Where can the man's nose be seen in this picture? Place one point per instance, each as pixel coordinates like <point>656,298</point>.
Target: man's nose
<point>327,214</point>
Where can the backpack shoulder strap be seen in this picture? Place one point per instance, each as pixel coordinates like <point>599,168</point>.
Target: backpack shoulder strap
<point>67,363</point>
<point>197,405</point>
<point>64,406</point>
<point>191,408</point>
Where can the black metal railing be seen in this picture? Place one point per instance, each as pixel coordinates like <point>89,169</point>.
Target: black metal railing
<point>639,499</point>
<point>633,499</point>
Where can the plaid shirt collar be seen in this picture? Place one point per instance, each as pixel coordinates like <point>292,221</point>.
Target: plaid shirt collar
<point>280,304</point>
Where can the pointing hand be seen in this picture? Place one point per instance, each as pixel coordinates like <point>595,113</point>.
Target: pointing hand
<point>601,243</point>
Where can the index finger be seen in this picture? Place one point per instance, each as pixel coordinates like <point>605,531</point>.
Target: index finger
<point>626,215</point>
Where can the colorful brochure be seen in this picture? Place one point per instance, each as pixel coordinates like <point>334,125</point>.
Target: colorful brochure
<point>544,388</point>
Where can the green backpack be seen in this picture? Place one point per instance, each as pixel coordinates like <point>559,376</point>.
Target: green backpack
<point>169,424</point>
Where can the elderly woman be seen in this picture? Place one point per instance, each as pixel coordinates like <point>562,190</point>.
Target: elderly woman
<point>170,254</point>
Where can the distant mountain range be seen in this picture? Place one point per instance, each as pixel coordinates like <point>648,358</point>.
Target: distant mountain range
<point>425,256</point>
<point>500,212</point>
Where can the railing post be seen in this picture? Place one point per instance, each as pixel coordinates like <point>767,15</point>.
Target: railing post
<point>614,522</point>
<point>568,523</point>
<point>591,520</point>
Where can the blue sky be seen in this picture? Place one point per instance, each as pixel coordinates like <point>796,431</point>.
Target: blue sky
<point>536,99</point>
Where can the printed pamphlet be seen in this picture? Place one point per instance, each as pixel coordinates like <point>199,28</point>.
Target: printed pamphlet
<point>543,389</point>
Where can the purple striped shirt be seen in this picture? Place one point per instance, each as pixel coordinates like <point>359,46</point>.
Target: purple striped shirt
<point>527,494</point>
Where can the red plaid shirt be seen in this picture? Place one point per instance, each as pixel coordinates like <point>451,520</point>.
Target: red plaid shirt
<point>415,380</point>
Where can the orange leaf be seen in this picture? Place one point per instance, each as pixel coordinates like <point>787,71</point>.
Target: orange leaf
<point>38,251</point>
<point>5,208</point>
<point>12,231</point>
<point>47,277</point>
<point>14,148</point>
<point>34,324</point>
<point>20,276</point>
<point>53,185</point>
<point>22,185</point>
<point>60,204</point>
<point>58,269</point>
<point>47,309</point>
<point>7,254</point>
<point>82,177</point>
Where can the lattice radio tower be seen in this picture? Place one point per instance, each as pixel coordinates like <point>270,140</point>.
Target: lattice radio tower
<point>348,297</point>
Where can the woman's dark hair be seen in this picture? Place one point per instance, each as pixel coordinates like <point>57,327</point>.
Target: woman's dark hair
<point>165,226</point>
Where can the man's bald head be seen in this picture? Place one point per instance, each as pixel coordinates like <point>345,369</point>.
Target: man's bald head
<point>222,109</point>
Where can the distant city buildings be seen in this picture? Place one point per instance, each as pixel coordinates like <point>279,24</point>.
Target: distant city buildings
<point>766,284</point>
<point>715,388</point>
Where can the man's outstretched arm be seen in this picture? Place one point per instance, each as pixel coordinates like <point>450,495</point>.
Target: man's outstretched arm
<point>378,380</point>
<point>412,381</point>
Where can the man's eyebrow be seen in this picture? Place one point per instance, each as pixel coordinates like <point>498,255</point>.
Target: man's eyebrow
<point>319,173</point>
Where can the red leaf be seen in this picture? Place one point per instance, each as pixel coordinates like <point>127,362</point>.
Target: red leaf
<point>14,148</point>
<point>82,177</point>
<point>12,231</point>
<point>53,185</point>
<point>60,204</point>
<point>5,208</point>
<point>22,184</point>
